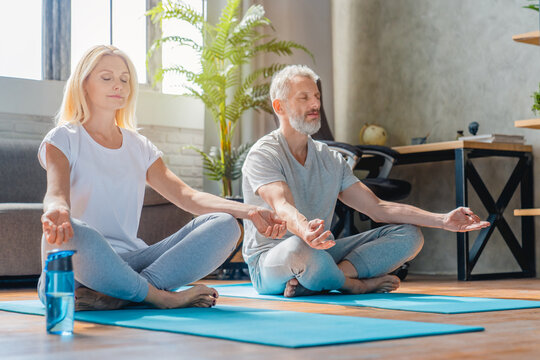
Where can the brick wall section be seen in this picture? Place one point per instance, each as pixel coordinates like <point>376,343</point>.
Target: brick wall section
<point>185,163</point>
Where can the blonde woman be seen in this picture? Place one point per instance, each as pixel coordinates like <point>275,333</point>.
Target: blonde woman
<point>97,167</point>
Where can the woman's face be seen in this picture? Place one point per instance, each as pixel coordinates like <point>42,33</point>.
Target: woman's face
<point>107,87</point>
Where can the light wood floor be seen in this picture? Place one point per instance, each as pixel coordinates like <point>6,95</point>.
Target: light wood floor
<point>509,334</point>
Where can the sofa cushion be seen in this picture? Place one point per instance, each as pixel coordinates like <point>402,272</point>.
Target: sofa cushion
<point>22,179</point>
<point>161,221</point>
<point>20,236</point>
<point>152,197</point>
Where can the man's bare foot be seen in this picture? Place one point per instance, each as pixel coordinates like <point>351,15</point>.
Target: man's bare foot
<point>293,288</point>
<point>87,300</point>
<point>381,284</point>
<point>196,296</point>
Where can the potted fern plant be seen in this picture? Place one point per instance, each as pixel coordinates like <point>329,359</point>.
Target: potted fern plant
<point>227,93</point>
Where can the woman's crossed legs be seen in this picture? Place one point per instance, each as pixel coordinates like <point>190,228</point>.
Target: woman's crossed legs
<point>151,273</point>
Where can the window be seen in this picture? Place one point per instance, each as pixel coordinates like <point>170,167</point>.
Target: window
<point>91,25</point>
<point>20,39</point>
<point>174,55</point>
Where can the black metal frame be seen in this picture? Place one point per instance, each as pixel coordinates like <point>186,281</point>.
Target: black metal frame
<point>465,173</point>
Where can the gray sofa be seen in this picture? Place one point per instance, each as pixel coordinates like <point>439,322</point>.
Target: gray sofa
<point>22,187</point>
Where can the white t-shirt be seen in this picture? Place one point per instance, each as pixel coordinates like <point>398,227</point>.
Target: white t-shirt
<point>314,186</point>
<point>107,185</point>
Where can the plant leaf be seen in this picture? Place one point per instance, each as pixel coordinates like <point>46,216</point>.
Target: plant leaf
<point>221,84</point>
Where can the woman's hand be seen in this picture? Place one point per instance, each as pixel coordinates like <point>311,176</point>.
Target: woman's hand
<point>463,219</point>
<point>316,237</point>
<point>267,223</point>
<point>56,226</point>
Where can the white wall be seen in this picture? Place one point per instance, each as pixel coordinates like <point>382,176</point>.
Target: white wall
<point>433,66</point>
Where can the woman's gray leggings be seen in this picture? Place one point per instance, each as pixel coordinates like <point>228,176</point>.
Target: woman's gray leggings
<point>373,253</point>
<point>186,256</point>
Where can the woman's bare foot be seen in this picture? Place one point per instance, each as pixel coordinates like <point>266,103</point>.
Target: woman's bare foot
<point>381,284</point>
<point>293,288</point>
<point>87,300</point>
<point>196,296</point>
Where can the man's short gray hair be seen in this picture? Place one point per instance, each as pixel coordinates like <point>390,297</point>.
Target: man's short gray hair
<point>279,89</point>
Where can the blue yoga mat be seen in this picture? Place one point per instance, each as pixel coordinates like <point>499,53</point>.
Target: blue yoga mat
<point>393,301</point>
<point>259,326</point>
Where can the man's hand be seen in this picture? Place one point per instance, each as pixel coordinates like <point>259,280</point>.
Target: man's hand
<point>463,219</point>
<point>57,226</point>
<point>315,236</point>
<point>268,223</point>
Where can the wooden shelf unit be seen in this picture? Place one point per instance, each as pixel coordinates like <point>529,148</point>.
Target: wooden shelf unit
<point>526,212</point>
<point>529,123</point>
<point>532,38</point>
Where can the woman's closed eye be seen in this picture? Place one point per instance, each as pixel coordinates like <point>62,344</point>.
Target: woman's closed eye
<point>125,81</point>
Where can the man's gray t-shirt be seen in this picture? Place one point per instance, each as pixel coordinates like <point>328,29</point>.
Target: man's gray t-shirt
<point>314,186</point>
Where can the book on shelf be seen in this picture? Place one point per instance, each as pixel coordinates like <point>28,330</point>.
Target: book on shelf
<point>495,138</point>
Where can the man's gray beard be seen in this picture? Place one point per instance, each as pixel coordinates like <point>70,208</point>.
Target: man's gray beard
<point>307,128</point>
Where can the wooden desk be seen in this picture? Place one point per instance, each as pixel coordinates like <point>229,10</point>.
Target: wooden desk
<point>460,144</point>
<point>462,152</point>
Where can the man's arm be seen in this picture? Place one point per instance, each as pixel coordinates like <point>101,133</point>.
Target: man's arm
<point>361,198</point>
<point>196,202</point>
<point>278,195</point>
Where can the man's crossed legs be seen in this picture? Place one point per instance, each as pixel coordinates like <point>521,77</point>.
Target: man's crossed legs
<point>356,264</point>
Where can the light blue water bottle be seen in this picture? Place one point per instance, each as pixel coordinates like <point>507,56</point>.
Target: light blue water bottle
<point>59,292</point>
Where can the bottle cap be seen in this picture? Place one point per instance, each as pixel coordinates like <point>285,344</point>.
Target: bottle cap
<point>59,260</point>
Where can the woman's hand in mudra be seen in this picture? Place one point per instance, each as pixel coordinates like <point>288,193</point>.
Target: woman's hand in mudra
<point>56,226</point>
<point>268,223</point>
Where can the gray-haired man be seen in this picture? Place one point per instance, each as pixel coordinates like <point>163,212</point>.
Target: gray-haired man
<point>301,179</point>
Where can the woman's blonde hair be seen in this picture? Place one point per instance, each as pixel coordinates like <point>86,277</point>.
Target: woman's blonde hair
<point>74,109</point>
